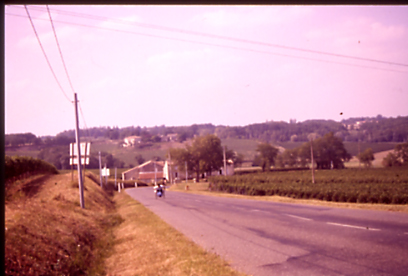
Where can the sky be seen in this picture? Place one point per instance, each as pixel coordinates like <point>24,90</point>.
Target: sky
<point>181,65</point>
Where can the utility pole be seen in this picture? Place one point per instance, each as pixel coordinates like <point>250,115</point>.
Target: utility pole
<point>81,186</point>
<point>186,172</point>
<point>225,163</point>
<point>169,167</point>
<point>106,176</point>
<point>100,170</point>
<point>311,151</point>
<point>155,173</point>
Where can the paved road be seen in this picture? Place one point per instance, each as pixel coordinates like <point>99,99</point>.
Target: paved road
<point>268,238</point>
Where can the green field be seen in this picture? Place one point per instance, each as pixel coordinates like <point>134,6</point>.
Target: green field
<point>349,185</point>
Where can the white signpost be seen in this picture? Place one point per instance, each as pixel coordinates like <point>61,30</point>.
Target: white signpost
<point>106,174</point>
<point>73,153</point>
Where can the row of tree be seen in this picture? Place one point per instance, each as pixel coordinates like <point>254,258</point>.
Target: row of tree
<point>376,129</point>
<point>328,152</point>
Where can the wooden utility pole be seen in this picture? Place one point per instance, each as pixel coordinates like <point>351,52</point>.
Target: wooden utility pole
<point>225,163</point>
<point>311,151</point>
<point>100,170</point>
<point>155,173</point>
<point>81,186</point>
<point>116,171</point>
<point>169,168</point>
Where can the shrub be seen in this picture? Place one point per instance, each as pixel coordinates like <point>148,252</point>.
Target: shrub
<point>23,166</point>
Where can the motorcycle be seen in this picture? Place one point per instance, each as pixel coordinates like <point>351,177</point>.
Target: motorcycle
<point>159,191</point>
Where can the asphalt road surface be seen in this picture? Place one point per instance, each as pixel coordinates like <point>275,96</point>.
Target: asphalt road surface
<point>269,238</point>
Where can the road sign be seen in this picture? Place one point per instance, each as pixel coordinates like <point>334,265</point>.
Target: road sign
<point>74,161</point>
<point>85,148</point>
<point>105,172</point>
<point>73,152</point>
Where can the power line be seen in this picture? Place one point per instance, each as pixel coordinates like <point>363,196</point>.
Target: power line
<point>219,45</point>
<point>45,55</point>
<point>83,118</point>
<point>59,49</point>
<point>152,26</point>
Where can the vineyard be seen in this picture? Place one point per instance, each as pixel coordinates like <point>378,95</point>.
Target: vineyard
<point>387,186</point>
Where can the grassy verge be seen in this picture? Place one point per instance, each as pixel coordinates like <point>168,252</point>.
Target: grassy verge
<point>47,233</point>
<point>145,245</point>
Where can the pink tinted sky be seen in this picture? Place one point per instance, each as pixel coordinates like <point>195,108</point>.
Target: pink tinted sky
<point>129,74</point>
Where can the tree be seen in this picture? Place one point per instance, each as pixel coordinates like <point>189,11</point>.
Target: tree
<point>398,157</point>
<point>268,154</point>
<point>391,160</point>
<point>366,157</point>
<point>328,152</point>
<point>401,151</point>
<point>238,159</point>
<point>208,152</point>
<point>205,154</point>
<point>139,158</point>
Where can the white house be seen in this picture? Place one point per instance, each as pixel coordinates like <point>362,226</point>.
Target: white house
<point>131,141</point>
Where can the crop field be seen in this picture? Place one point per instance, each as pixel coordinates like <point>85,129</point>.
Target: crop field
<point>387,186</point>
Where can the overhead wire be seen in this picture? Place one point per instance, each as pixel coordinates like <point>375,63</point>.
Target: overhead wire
<point>45,55</point>
<point>145,25</point>
<point>62,59</point>
<point>219,45</point>
<point>83,118</point>
<point>59,49</point>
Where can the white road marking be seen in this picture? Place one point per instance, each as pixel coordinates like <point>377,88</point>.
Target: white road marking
<point>255,210</point>
<point>406,233</point>
<point>354,226</point>
<point>298,217</point>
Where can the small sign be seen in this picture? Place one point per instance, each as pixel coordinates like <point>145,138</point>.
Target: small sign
<point>74,161</point>
<point>73,149</point>
<point>105,172</point>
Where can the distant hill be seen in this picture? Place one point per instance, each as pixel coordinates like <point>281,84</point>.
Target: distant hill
<point>379,133</point>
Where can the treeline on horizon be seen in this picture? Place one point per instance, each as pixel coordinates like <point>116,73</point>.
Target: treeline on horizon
<point>374,129</point>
